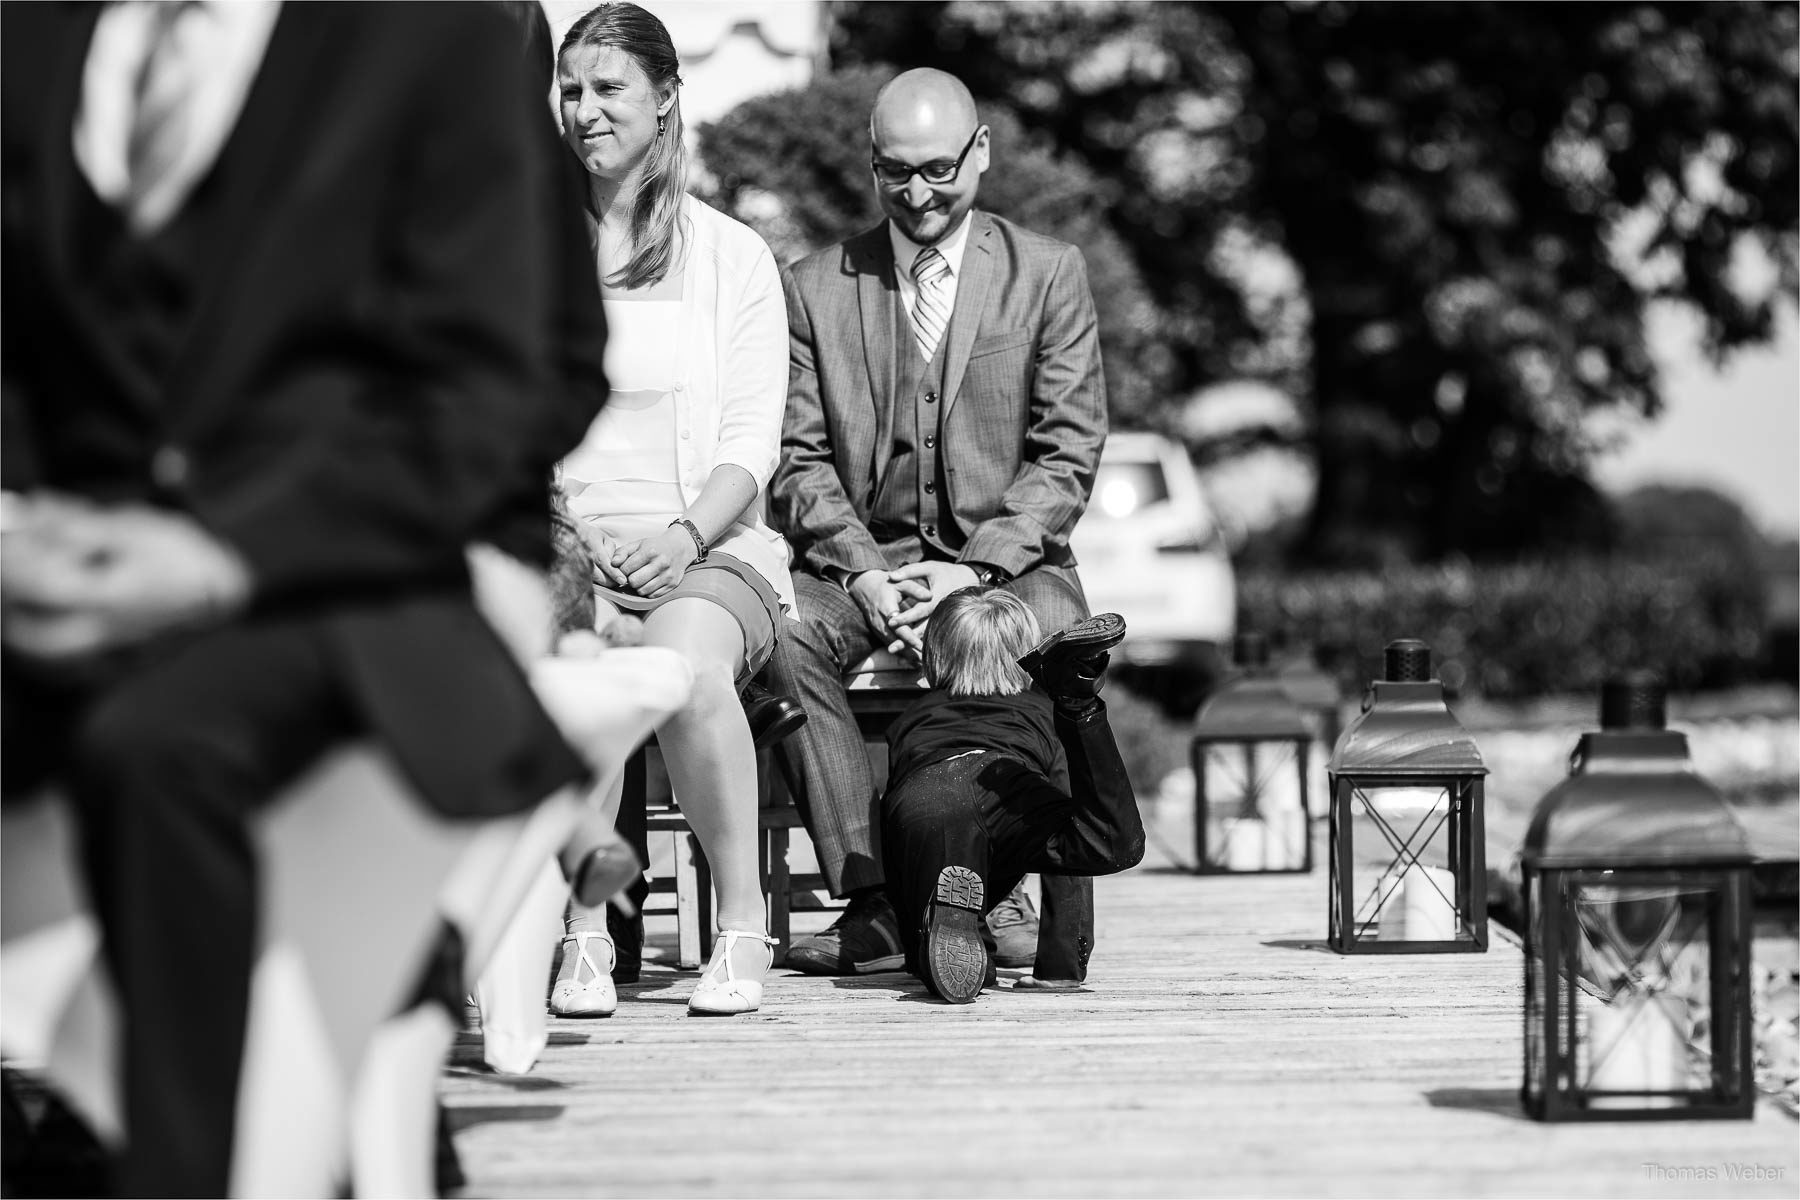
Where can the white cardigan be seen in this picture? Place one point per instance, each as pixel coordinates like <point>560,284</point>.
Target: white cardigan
<point>731,377</point>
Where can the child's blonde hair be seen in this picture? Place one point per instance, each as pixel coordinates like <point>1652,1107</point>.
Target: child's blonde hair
<point>974,640</point>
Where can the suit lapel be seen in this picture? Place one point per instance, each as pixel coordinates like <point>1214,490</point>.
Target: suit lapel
<point>971,306</point>
<point>878,299</point>
<point>249,163</point>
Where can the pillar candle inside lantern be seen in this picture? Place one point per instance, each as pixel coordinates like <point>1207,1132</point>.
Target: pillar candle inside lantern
<point>1246,845</point>
<point>1636,1045</point>
<point>1419,906</point>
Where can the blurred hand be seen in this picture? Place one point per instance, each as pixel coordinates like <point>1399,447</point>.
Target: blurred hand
<point>654,565</point>
<point>77,581</point>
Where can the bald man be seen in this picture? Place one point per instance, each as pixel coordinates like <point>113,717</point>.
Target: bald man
<point>945,415</point>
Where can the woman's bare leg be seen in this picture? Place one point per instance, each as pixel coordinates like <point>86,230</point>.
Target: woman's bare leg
<point>712,764</point>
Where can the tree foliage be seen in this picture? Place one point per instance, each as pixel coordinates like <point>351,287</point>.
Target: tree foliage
<point>1477,200</point>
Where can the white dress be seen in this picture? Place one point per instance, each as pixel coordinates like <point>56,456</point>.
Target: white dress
<point>623,476</point>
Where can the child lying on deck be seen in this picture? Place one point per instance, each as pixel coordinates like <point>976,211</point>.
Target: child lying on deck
<point>992,778</point>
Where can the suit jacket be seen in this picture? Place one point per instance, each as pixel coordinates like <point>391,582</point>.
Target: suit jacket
<point>369,365</point>
<point>1024,400</point>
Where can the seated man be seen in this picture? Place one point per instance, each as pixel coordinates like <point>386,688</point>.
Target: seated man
<point>993,778</point>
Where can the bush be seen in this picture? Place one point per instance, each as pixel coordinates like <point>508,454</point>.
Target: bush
<point>1526,629</point>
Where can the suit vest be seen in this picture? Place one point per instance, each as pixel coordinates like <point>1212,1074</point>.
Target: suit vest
<point>144,287</point>
<point>910,506</point>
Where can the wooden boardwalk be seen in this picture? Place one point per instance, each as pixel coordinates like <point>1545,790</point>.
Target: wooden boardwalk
<point>1220,1051</point>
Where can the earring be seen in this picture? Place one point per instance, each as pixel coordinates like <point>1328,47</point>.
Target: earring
<point>659,126</point>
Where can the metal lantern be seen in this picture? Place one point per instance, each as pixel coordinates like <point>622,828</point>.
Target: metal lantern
<point>1250,759</point>
<point>1408,865</point>
<point>1637,931</point>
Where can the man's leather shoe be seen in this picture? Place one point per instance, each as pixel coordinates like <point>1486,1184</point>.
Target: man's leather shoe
<point>864,939</point>
<point>772,718</point>
<point>1011,930</point>
<point>1070,662</point>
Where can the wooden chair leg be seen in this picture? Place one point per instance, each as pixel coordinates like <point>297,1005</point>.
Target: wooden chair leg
<point>776,888</point>
<point>687,902</point>
<point>703,894</point>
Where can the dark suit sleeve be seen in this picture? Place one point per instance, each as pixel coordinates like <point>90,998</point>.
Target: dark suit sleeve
<point>807,499</point>
<point>450,372</point>
<point>1066,430</point>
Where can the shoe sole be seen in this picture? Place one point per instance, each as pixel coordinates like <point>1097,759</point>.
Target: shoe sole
<point>1100,632</point>
<point>564,1008</point>
<point>956,963</point>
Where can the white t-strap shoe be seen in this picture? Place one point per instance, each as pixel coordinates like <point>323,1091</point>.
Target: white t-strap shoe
<point>728,995</point>
<point>584,986</point>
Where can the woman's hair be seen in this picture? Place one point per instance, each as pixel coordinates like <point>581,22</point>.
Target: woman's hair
<point>656,212</point>
<point>974,640</point>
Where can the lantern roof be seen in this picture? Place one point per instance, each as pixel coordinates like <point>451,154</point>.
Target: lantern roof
<point>1309,686</point>
<point>1252,707</point>
<point>1632,797</point>
<point>1405,727</point>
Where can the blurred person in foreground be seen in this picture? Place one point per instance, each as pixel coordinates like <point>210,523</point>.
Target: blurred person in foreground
<point>993,777</point>
<point>668,482</point>
<point>946,410</point>
<point>278,301</point>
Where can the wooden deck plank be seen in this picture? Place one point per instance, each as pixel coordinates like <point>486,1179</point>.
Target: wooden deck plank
<point>1219,1051</point>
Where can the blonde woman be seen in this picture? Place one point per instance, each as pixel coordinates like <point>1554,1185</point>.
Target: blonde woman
<point>668,484</point>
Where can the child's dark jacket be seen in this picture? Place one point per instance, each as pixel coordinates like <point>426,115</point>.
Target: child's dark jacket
<point>940,725</point>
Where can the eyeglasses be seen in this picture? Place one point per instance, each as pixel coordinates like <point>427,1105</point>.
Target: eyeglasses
<point>939,170</point>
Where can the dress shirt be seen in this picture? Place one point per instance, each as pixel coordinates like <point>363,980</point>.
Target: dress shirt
<point>221,43</point>
<point>905,250</point>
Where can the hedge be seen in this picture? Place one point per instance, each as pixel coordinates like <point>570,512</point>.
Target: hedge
<point>1519,630</point>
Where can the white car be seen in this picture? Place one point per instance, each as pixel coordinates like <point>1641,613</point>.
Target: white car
<point>1149,549</point>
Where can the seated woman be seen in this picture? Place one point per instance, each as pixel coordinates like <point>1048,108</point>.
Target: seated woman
<point>991,779</point>
<point>667,485</point>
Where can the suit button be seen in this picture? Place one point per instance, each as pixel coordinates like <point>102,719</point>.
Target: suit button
<point>930,441</point>
<point>931,531</point>
<point>931,397</point>
<point>930,488</point>
<point>169,468</point>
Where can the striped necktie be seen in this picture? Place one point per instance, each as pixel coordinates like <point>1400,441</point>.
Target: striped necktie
<point>931,309</point>
<point>161,117</point>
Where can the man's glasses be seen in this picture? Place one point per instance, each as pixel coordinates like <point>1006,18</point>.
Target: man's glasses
<point>939,170</point>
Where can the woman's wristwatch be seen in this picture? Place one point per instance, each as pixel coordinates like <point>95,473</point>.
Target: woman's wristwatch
<point>693,532</point>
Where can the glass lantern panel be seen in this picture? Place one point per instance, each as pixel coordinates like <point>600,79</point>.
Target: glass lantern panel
<point>1641,993</point>
<point>1255,815</point>
<point>1403,865</point>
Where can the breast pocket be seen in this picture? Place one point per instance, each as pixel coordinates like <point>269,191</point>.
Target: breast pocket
<point>1000,343</point>
<point>999,365</point>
